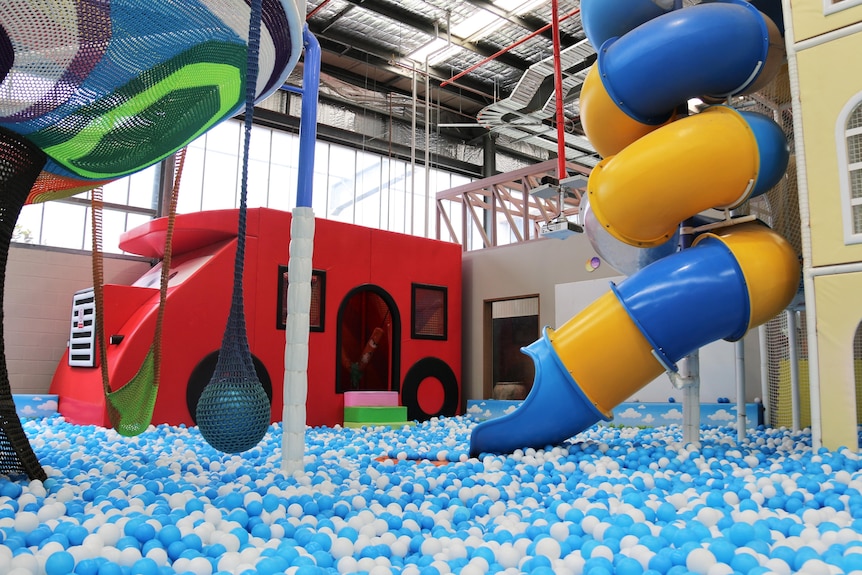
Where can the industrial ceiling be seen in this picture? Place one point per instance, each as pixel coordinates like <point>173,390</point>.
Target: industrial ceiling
<point>486,65</point>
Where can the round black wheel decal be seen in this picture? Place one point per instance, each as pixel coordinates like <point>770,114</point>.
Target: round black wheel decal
<point>429,368</point>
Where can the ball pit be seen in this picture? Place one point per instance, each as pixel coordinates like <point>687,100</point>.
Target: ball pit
<point>613,500</point>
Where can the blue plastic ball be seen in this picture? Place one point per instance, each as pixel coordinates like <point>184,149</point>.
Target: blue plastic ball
<point>59,563</point>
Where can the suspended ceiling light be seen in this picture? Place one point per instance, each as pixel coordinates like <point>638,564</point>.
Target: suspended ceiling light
<point>518,7</point>
<point>483,22</point>
<point>477,26</point>
<point>426,50</point>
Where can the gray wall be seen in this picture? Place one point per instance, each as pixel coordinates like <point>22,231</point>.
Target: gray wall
<point>37,307</point>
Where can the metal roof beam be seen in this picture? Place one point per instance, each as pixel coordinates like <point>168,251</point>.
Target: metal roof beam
<point>433,28</point>
<point>371,56</point>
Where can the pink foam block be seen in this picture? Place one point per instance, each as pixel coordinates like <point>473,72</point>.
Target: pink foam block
<point>370,398</point>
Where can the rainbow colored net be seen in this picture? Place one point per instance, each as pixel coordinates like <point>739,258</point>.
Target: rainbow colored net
<point>108,88</point>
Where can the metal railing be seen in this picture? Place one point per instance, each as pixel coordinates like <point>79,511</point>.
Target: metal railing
<point>478,206</point>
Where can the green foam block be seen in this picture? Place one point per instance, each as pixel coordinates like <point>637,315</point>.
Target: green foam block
<point>375,414</point>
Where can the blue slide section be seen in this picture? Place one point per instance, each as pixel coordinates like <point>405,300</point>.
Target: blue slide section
<point>718,49</point>
<point>555,409</point>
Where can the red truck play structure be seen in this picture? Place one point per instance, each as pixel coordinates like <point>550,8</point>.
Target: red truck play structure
<point>385,315</point>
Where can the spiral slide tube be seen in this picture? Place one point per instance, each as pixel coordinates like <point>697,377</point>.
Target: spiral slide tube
<point>657,173</point>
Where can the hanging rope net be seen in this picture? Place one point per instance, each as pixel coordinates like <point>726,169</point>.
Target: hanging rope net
<point>20,163</point>
<point>130,408</point>
<point>109,87</point>
<point>233,411</point>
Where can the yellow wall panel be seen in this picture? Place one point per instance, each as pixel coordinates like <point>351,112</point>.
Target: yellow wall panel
<point>839,311</point>
<point>815,17</point>
<point>827,82</point>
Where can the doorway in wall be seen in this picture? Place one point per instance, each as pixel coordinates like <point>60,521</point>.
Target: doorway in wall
<point>367,341</point>
<point>510,325</point>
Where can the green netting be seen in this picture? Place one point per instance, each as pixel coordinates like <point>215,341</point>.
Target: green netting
<point>130,408</point>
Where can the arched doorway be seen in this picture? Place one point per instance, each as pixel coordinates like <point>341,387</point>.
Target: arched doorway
<point>368,341</point>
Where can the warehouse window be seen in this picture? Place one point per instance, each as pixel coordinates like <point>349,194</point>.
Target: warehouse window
<point>849,136</point>
<point>349,185</point>
<point>128,203</point>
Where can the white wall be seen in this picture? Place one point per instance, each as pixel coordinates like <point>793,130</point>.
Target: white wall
<point>517,270</point>
<point>37,307</point>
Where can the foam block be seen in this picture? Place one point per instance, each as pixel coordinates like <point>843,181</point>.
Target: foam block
<point>375,414</point>
<point>370,398</point>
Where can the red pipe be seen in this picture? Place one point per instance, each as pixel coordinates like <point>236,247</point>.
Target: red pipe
<point>558,92</point>
<point>507,48</point>
<point>316,10</point>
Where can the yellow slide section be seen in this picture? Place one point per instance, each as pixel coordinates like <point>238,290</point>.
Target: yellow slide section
<point>642,194</point>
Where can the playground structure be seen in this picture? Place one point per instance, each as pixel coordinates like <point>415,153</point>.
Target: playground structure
<point>812,20</point>
<point>405,299</point>
<point>659,170</point>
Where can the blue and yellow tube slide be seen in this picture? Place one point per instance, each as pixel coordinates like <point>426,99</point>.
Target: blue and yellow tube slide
<point>659,169</point>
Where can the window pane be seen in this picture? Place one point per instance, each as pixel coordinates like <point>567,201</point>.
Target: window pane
<point>192,179</point>
<point>342,184</point>
<point>424,203</point>
<point>505,235</point>
<point>854,149</point>
<point>29,224</point>
<point>113,225</point>
<point>399,191</point>
<point>221,173</point>
<point>320,181</point>
<point>857,219</point>
<point>64,225</point>
<point>143,188</point>
<point>414,203</point>
<point>258,168</point>
<point>368,175</point>
<point>856,183</point>
<point>387,166</point>
<point>855,119</point>
<point>394,188</point>
<point>116,192</point>
<point>282,170</point>
<point>452,210</point>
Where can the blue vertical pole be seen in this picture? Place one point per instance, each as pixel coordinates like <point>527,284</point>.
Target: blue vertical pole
<point>308,119</point>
